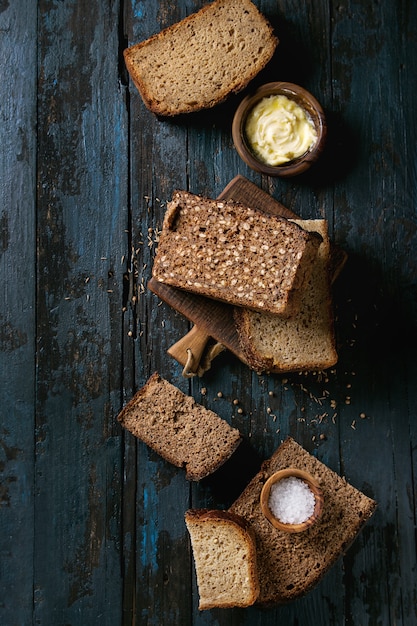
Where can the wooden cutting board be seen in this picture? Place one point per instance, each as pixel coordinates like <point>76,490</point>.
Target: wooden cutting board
<point>211,318</point>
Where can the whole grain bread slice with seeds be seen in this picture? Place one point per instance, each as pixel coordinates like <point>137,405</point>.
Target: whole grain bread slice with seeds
<point>230,252</point>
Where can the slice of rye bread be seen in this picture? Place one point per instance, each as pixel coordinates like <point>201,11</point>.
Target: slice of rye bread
<point>305,341</point>
<point>230,252</point>
<point>224,552</point>
<point>290,565</point>
<point>183,432</point>
<point>196,63</point>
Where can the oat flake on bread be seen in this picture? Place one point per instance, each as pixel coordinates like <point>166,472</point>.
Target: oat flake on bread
<point>198,62</point>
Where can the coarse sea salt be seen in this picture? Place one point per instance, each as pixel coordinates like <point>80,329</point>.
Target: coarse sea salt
<point>291,500</point>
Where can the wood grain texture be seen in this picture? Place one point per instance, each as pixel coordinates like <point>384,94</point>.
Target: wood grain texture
<point>92,522</point>
<point>81,222</point>
<point>17,310</point>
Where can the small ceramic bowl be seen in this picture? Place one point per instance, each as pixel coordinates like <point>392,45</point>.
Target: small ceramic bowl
<point>314,488</point>
<point>314,112</point>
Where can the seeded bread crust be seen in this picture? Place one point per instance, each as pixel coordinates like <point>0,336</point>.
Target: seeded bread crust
<point>229,252</point>
<point>305,341</point>
<point>224,552</point>
<point>290,565</point>
<point>198,62</point>
<point>183,432</point>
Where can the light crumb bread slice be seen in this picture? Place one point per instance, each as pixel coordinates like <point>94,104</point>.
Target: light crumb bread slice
<point>196,63</point>
<point>224,553</point>
<point>230,252</point>
<point>182,431</point>
<point>290,565</point>
<point>305,341</point>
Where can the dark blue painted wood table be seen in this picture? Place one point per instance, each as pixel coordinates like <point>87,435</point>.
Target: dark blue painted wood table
<point>92,521</point>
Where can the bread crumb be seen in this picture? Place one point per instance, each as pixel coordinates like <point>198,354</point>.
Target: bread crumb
<point>219,394</point>
<point>203,391</point>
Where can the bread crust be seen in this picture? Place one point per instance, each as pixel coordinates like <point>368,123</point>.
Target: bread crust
<point>213,94</point>
<point>259,363</point>
<point>218,515</point>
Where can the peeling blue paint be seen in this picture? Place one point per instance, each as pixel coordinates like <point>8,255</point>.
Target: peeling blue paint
<point>149,539</point>
<point>138,10</point>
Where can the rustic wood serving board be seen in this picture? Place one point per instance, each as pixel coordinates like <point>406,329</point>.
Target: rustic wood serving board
<point>212,318</point>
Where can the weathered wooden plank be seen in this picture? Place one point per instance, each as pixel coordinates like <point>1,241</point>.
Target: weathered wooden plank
<point>375,450</point>
<point>161,589</point>
<point>17,308</point>
<point>82,217</point>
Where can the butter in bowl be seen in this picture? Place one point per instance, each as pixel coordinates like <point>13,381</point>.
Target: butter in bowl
<point>280,130</point>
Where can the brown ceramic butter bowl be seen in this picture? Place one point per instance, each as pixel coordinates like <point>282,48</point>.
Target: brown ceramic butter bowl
<point>297,494</point>
<point>302,113</point>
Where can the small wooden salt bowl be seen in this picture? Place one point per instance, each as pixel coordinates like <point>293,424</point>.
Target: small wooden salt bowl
<point>314,488</point>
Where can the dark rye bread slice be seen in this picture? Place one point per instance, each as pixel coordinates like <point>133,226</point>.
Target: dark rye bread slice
<point>182,431</point>
<point>303,342</point>
<point>290,565</point>
<point>196,63</point>
<point>230,252</point>
<point>224,552</point>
